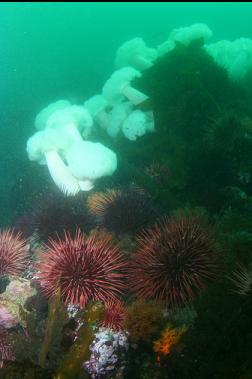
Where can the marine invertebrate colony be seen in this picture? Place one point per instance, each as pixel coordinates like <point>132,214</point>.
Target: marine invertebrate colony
<point>108,354</point>
<point>13,253</point>
<point>173,262</point>
<point>83,268</point>
<point>180,87</point>
<point>170,337</point>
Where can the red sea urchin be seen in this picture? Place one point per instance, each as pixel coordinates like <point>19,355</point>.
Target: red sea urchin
<point>125,210</point>
<point>113,315</point>
<point>84,267</point>
<point>53,213</point>
<point>13,253</point>
<point>173,262</point>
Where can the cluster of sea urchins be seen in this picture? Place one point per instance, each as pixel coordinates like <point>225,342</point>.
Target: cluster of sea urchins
<point>173,262</point>
<point>84,268</point>
<point>123,210</point>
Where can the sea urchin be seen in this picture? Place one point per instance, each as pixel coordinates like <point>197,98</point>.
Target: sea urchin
<point>173,261</point>
<point>13,253</point>
<point>113,315</point>
<point>54,213</point>
<point>84,268</point>
<point>125,210</point>
<point>242,279</point>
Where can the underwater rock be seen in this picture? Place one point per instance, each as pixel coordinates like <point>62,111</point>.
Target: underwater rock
<point>12,302</point>
<point>7,320</point>
<point>18,291</point>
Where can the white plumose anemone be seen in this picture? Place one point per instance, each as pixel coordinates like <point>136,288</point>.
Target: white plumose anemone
<point>48,147</point>
<point>45,113</point>
<point>61,174</point>
<point>75,115</point>
<point>117,116</point>
<point>185,36</point>
<point>96,106</point>
<point>235,56</point>
<point>135,53</point>
<point>118,87</point>
<point>137,124</point>
<point>73,164</point>
<point>89,161</point>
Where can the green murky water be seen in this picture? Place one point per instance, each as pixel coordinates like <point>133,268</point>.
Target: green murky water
<point>168,140</point>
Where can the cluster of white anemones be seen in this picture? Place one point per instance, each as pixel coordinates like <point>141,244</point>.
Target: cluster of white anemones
<point>63,129</point>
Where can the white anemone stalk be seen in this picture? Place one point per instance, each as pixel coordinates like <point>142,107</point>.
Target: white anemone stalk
<point>61,174</point>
